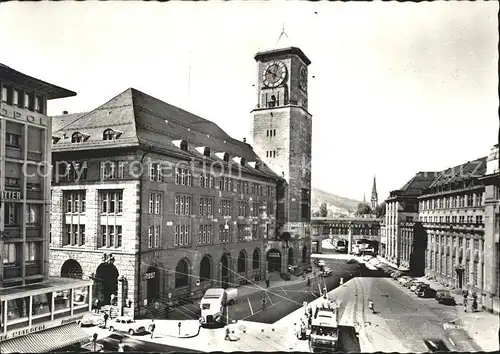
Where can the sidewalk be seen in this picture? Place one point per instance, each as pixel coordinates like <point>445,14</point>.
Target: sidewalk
<point>170,328</point>
<point>275,282</point>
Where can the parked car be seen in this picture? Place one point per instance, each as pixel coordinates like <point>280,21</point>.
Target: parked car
<point>410,282</point>
<point>421,286</point>
<point>445,297</point>
<point>426,292</point>
<point>436,345</point>
<point>126,324</point>
<point>351,261</point>
<point>326,272</point>
<point>367,258</point>
<point>404,279</point>
<point>308,269</point>
<point>395,275</point>
<point>321,263</point>
<point>92,319</point>
<point>415,285</point>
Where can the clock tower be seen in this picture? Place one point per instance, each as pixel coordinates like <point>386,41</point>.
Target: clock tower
<point>282,131</point>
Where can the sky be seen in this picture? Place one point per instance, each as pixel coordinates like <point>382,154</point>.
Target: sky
<point>398,88</point>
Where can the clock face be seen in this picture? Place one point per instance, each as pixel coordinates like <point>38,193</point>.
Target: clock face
<point>303,78</point>
<point>274,74</point>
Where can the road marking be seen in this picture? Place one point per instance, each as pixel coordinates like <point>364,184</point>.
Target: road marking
<point>283,290</point>
<point>451,341</point>
<point>250,305</point>
<point>269,298</point>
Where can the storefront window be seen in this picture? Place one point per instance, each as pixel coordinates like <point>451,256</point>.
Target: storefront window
<point>81,297</point>
<point>18,309</point>
<point>61,300</point>
<point>41,304</point>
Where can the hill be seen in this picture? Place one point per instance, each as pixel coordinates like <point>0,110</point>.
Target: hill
<point>337,205</point>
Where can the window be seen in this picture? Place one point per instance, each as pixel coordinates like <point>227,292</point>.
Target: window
<point>32,252</point>
<point>461,219</point>
<point>28,101</point>
<point>206,151</point>
<point>111,202</point>
<point>32,214</point>
<point>305,208</point>
<point>11,214</point>
<point>242,208</point>
<point>225,207</point>
<point>454,219</point>
<point>255,233</point>
<point>111,236</point>
<point>76,137</point>
<point>182,205</point>
<point>255,209</point>
<point>154,203</point>
<point>479,199</point>
<point>15,97</point>
<point>206,206</point>
<point>479,219</point>
<point>155,172</point>
<point>10,253</point>
<point>39,104</point>
<point>74,235</point>
<point>157,235</point>
<point>182,235</point>
<point>205,234</point>
<point>183,177</point>
<point>75,201</point>
<point>470,200</point>
<point>121,169</point>
<point>225,184</point>
<point>13,140</point>
<point>6,92</point>
<point>224,233</point>
<point>270,208</point>
<point>447,219</point>
<point>108,134</point>
<point>184,145</point>
<point>108,170</point>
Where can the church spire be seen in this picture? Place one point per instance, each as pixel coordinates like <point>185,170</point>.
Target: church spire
<point>374,199</point>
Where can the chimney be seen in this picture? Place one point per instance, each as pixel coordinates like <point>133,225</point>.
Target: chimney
<point>65,112</point>
<point>244,140</point>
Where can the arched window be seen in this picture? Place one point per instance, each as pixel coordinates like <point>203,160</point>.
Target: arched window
<point>184,145</point>
<point>206,151</point>
<point>205,269</point>
<point>181,274</point>
<point>76,137</point>
<point>108,134</point>
<point>242,161</point>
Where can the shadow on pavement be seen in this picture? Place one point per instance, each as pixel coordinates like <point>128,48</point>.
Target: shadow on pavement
<point>348,340</point>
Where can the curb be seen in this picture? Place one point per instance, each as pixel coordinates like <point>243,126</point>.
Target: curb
<point>161,335</point>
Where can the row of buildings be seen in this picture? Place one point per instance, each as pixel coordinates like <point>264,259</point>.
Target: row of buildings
<point>446,225</point>
<point>138,201</point>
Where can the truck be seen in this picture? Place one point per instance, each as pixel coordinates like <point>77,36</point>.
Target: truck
<point>340,246</point>
<point>325,329</point>
<point>213,305</point>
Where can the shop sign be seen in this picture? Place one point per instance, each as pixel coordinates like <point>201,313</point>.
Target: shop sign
<point>39,327</point>
<point>30,117</point>
<point>274,254</point>
<point>11,195</point>
<point>148,276</point>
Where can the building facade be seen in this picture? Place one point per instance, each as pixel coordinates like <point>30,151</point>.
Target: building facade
<point>32,305</point>
<point>282,137</point>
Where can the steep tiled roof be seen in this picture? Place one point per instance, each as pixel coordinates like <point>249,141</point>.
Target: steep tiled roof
<point>147,121</point>
<point>417,184</point>
<point>470,169</point>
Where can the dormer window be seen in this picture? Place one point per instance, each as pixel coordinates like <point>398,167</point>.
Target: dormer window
<point>206,151</point>
<point>108,134</point>
<point>226,157</point>
<point>184,145</point>
<point>76,137</point>
<point>55,139</point>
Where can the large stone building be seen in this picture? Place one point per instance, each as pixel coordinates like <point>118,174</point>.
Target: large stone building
<point>34,309</point>
<point>155,203</point>
<point>282,132</point>
<point>451,222</point>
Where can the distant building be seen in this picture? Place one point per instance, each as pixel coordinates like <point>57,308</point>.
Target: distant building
<point>374,198</point>
<point>34,309</point>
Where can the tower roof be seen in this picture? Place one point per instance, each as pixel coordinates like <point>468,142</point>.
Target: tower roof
<point>283,51</point>
<point>374,188</point>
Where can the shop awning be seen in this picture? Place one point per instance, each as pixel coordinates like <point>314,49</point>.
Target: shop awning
<point>46,341</point>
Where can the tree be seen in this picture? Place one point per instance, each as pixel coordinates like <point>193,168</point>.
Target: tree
<point>363,209</point>
<point>380,210</point>
<point>323,210</point>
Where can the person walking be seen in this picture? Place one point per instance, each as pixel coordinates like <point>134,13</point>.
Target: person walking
<point>121,346</point>
<point>474,305</point>
<point>106,316</point>
<point>263,301</point>
<point>96,305</point>
<point>267,283</point>
<point>152,327</point>
<point>465,304</point>
<point>308,282</point>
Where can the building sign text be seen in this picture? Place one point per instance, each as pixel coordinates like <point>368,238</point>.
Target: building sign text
<point>27,116</point>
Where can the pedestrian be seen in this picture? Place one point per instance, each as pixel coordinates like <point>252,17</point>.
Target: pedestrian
<point>465,304</point>
<point>96,305</point>
<point>308,281</point>
<point>228,334</point>
<point>309,322</point>
<point>106,316</point>
<point>263,302</point>
<point>157,307</point>
<point>310,312</point>
<point>121,346</point>
<point>316,312</point>
<point>267,283</point>
<point>474,305</point>
<point>152,327</point>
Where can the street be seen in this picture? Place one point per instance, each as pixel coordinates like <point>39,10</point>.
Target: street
<point>279,301</point>
<point>134,343</point>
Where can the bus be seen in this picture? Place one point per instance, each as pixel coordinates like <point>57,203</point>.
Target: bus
<point>325,329</point>
<point>340,246</point>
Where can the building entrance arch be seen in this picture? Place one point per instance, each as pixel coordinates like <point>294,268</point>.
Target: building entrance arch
<point>224,268</point>
<point>256,259</point>
<point>71,269</point>
<point>242,262</point>
<point>274,260</point>
<point>106,282</point>
<point>182,273</point>
<point>205,269</point>
<point>152,277</point>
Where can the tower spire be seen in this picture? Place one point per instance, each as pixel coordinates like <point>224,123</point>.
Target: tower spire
<point>374,198</point>
<point>282,34</point>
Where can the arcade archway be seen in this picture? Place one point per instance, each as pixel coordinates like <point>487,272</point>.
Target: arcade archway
<point>256,259</point>
<point>71,269</point>
<point>182,273</point>
<point>290,256</point>
<point>304,254</point>
<point>205,269</point>
<point>274,260</point>
<point>152,277</point>
<point>224,268</point>
<point>242,259</point>
<point>106,282</point>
